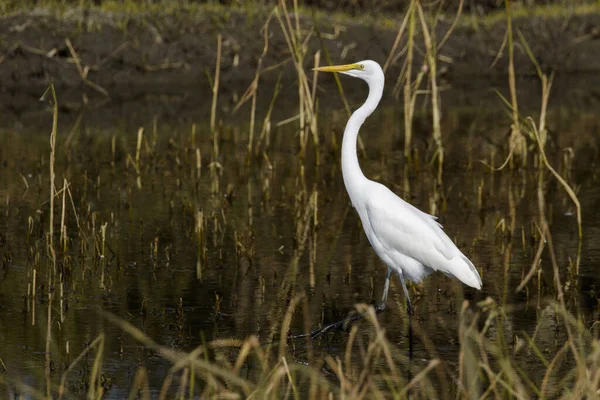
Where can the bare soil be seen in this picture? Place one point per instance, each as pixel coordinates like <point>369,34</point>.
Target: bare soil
<point>124,56</point>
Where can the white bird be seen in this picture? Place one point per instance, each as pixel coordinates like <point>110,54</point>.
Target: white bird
<point>409,241</point>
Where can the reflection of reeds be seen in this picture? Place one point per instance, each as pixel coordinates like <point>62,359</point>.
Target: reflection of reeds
<point>484,362</point>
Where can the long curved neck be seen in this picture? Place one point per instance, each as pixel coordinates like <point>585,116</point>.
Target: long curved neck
<point>351,172</point>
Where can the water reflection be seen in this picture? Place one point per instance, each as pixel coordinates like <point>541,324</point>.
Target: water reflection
<point>273,226</point>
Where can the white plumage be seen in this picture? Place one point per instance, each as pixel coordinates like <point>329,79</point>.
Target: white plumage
<point>409,241</point>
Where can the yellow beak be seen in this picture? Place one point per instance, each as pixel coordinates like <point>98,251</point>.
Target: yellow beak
<point>338,68</point>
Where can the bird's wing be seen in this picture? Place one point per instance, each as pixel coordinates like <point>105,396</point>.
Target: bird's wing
<point>401,227</point>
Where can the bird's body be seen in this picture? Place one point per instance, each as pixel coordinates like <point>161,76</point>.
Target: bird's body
<point>409,241</point>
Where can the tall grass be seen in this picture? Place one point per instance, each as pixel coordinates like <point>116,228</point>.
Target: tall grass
<point>489,363</point>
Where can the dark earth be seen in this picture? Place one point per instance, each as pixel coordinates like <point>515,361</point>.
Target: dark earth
<point>126,56</point>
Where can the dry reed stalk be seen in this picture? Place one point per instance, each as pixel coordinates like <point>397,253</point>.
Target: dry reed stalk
<point>252,90</point>
<point>113,150</point>
<point>317,63</point>
<point>468,379</point>
<point>559,178</point>
<point>53,134</point>
<point>313,251</point>
<point>534,266</point>
<point>396,43</point>
<point>546,86</point>
<point>517,143</point>
<point>48,363</point>
<point>540,137</point>
<point>251,343</point>
<point>61,293</point>
<point>298,47</point>
<point>96,390</point>
<point>63,227</point>
<point>198,164</point>
<point>285,323</point>
<point>336,77</point>
<point>138,147</point>
<point>453,25</point>
<point>435,95</point>
<point>265,132</point>
<point>579,358</point>
<point>102,255</point>
<point>408,90</point>
<point>549,369</point>
<point>140,387</point>
<point>81,232</point>
<point>215,88</point>
<point>201,247</point>
<point>193,136</point>
<point>348,353</point>
<point>290,378</point>
<point>33,302</point>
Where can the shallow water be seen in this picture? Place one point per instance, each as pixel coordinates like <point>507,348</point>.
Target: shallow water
<point>255,255</point>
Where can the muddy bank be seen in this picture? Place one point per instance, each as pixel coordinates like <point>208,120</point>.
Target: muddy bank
<point>124,56</point>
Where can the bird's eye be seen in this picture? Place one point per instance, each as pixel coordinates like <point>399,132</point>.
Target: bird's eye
<point>361,66</point>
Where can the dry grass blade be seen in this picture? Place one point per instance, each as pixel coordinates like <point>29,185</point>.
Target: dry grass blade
<point>291,379</point>
<point>285,324</point>
<point>174,356</point>
<point>556,360</point>
<point>97,344</point>
<point>83,71</point>
<point>419,377</point>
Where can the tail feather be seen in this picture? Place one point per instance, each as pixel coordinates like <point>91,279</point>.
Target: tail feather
<point>464,270</point>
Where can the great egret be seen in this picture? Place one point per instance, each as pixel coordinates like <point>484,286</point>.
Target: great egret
<point>409,241</point>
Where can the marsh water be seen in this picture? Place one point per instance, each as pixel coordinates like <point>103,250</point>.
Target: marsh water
<point>191,239</point>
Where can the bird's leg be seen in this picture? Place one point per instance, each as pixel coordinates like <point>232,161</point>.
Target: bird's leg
<point>381,306</point>
<point>408,303</point>
<point>316,333</point>
<point>378,309</point>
